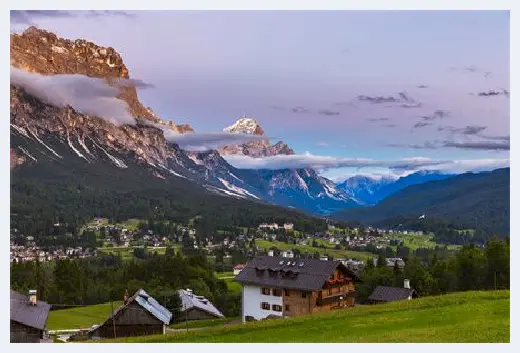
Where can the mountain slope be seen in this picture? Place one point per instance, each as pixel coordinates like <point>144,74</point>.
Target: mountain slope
<point>470,200</point>
<point>371,190</point>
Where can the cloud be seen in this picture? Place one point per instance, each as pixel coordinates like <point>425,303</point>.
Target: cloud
<point>377,119</point>
<point>438,114</point>
<point>496,138</point>
<point>328,112</point>
<point>429,145</point>
<point>299,110</point>
<point>390,125</point>
<point>422,86</point>
<point>322,144</point>
<point>88,95</point>
<point>308,160</point>
<point>421,125</point>
<point>492,92</point>
<point>29,16</point>
<point>402,100</point>
<point>467,130</point>
<point>206,141</point>
<point>479,145</point>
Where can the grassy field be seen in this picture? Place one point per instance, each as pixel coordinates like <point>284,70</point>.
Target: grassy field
<point>82,317</point>
<point>420,241</point>
<point>204,323</point>
<point>457,317</point>
<point>342,253</point>
<point>127,253</point>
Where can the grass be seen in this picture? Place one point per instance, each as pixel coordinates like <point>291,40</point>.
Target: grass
<point>457,317</point>
<point>127,253</point>
<point>342,253</point>
<point>221,275</point>
<point>413,242</point>
<point>81,317</point>
<point>204,323</point>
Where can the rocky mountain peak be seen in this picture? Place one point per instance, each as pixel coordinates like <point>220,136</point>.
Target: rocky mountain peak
<point>245,125</point>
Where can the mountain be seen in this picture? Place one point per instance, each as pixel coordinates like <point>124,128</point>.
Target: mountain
<point>68,165</point>
<point>470,200</point>
<point>299,188</point>
<point>369,190</point>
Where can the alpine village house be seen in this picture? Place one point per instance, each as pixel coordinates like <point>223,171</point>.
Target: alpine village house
<point>279,287</point>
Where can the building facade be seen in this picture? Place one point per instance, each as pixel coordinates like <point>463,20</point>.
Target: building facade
<point>279,287</point>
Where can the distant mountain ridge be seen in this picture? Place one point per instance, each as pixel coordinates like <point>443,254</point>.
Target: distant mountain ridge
<point>471,200</point>
<point>369,190</point>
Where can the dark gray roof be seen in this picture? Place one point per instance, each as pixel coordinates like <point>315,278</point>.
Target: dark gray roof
<point>390,294</point>
<point>26,314</point>
<point>273,271</point>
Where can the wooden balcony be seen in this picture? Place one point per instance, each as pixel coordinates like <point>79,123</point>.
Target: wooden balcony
<point>335,298</point>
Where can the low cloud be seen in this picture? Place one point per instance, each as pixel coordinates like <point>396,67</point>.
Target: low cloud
<point>299,110</point>
<point>206,141</point>
<point>308,160</point>
<point>328,112</point>
<point>322,144</point>
<point>88,95</point>
<point>377,119</point>
<point>422,86</point>
<point>479,145</point>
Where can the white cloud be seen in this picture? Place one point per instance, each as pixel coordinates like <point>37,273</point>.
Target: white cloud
<point>88,95</point>
<point>401,166</point>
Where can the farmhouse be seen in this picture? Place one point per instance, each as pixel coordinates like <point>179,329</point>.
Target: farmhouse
<point>238,268</point>
<point>139,315</point>
<point>196,307</point>
<point>278,287</point>
<point>28,318</point>
<point>384,294</point>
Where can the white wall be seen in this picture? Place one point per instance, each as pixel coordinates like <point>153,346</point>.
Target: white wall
<point>252,297</point>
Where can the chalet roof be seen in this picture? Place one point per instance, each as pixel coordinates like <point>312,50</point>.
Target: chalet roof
<point>239,266</point>
<point>190,300</point>
<point>390,294</point>
<point>148,303</point>
<point>301,274</point>
<point>26,314</point>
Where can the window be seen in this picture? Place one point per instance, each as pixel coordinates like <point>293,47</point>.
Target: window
<point>304,295</point>
<point>330,291</point>
<point>286,292</point>
<point>265,306</point>
<point>287,307</point>
<point>277,292</point>
<point>277,307</point>
<point>266,291</point>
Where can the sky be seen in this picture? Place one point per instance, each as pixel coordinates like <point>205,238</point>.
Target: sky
<point>340,85</point>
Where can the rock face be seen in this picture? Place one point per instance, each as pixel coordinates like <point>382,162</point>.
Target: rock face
<point>39,51</point>
<point>255,148</point>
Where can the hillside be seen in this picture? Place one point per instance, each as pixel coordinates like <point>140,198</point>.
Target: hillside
<point>470,200</point>
<point>458,317</point>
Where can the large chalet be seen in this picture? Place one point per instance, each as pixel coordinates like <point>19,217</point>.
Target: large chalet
<point>278,287</point>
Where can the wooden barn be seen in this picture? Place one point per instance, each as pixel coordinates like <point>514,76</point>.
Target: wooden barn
<point>385,294</point>
<point>279,287</point>
<point>28,318</point>
<point>196,307</point>
<point>140,315</point>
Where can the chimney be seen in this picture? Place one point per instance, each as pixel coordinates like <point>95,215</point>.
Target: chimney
<point>190,292</point>
<point>407,283</point>
<point>32,297</point>
<point>125,297</point>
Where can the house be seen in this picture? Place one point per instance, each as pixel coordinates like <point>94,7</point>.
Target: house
<point>384,294</point>
<point>268,226</point>
<point>288,253</point>
<point>196,307</point>
<point>288,226</point>
<point>139,315</point>
<point>237,269</point>
<point>278,287</point>
<point>28,318</point>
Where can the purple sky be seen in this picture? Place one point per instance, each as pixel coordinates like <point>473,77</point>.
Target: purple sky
<point>326,82</point>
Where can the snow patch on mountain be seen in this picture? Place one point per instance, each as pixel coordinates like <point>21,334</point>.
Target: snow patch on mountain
<point>236,189</point>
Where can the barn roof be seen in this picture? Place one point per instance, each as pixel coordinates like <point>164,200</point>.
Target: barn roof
<point>281,272</point>
<point>26,314</point>
<point>190,300</point>
<point>390,294</point>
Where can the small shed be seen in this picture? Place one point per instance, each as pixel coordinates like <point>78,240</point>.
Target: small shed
<point>140,315</point>
<point>196,307</point>
<point>28,318</point>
